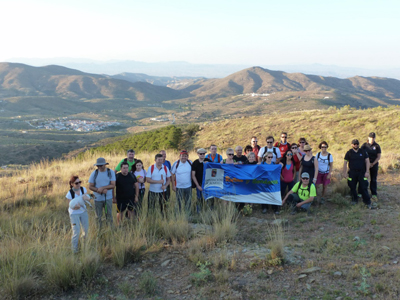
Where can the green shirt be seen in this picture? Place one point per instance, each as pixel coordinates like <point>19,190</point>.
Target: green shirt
<point>118,168</point>
<point>303,192</point>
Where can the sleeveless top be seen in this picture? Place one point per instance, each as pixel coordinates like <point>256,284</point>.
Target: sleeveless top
<point>308,167</point>
<point>287,174</point>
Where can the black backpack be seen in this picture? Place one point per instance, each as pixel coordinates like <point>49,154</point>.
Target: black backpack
<point>73,193</point>
<point>308,187</point>
<point>97,173</point>
<point>273,150</point>
<point>329,159</point>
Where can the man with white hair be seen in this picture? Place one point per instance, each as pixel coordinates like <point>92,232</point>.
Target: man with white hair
<point>239,158</point>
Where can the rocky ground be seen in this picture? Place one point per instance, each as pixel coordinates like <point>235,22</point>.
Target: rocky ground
<point>337,252</point>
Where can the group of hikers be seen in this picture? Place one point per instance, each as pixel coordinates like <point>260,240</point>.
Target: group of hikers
<point>301,174</point>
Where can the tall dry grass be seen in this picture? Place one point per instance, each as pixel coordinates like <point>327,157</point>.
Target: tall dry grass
<point>35,230</point>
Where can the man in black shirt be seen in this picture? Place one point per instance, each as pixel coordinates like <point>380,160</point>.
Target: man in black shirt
<point>197,176</point>
<point>358,162</point>
<point>239,158</point>
<point>374,153</point>
<point>127,190</point>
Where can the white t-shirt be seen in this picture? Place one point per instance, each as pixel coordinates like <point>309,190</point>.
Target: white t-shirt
<point>323,165</point>
<point>183,174</point>
<point>142,173</point>
<point>278,153</point>
<point>156,187</point>
<point>77,211</point>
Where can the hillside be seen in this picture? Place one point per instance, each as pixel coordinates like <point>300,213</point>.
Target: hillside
<point>259,80</point>
<point>24,80</point>
<point>338,251</point>
<point>172,82</point>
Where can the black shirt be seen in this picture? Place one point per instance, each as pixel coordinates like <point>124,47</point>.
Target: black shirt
<point>372,150</point>
<point>198,167</point>
<point>240,160</point>
<point>356,159</point>
<point>125,186</point>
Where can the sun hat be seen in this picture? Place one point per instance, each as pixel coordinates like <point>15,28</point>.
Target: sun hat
<point>101,162</point>
<point>307,147</point>
<point>201,150</point>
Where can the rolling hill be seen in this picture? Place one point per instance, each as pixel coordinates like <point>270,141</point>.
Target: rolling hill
<point>24,80</point>
<point>259,80</point>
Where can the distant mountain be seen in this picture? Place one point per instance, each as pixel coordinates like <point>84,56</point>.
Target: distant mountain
<point>173,82</point>
<point>184,69</point>
<point>23,80</point>
<point>259,80</point>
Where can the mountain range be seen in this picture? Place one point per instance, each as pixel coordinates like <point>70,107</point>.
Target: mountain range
<point>23,80</point>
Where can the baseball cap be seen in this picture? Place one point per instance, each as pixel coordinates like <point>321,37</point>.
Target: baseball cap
<point>355,141</point>
<point>372,135</point>
<point>305,175</point>
<point>201,150</point>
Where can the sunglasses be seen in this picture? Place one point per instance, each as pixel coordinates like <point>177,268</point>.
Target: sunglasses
<point>78,182</point>
<point>356,144</point>
<point>231,154</point>
<point>289,154</point>
<point>324,147</point>
<point>305,178</point>
<point>307,150</point>
<point>294,147</point>
<point>202,154</point>
<point>269,142</point>
<point>269,156</point>
<point>302,142</point>
<point>284,137</point>
<point>100,165</point>
<point>254,141</point>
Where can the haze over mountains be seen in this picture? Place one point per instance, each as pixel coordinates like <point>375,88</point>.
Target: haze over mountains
<point>185,69</point>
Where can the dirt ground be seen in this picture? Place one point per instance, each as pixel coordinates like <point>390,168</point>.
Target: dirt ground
<point>339,251</point>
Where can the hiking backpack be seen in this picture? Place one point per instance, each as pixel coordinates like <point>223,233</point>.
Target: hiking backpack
<point>329,159</point>
<point>73,193</point>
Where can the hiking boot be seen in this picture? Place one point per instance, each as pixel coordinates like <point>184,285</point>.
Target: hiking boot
<point>294,211</point>
<point>359,195</point>
<point>371,206</point>
<point>322,200</point>
<point>374,198</point>
<point>264,211</point>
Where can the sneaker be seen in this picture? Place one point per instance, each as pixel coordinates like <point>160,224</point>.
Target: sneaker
<point>322,200</point>
<point>294,211</point>
<point>371,206</point>
<point>359,195</point>
<point>374,198</point>
<point>264,211</point>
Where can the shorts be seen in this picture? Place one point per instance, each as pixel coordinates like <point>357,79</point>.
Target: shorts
<point>322,179</point>
<point>124,205</point>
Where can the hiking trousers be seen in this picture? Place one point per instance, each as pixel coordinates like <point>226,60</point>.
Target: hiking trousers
<point>107,206</point>
<point>76,221</point>
<point>357,177</point>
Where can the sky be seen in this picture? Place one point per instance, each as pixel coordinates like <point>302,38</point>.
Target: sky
<point>348,33</point>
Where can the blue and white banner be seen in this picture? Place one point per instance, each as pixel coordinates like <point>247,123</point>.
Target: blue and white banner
<point>243,183</point>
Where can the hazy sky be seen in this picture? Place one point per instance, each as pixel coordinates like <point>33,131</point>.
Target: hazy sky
<point>345,33</point>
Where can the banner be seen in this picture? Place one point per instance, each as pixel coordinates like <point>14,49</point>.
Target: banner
<point>243,183</point>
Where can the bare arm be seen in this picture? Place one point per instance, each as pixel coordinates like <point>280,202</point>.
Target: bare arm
<point>136,191</point>
<point>287,195</point>
<point>330,170</point>
<point>172,182</point>
<point>294,170</point>
<point>195,180</point>
<point>301,169</point>
<point>367,164</point>
<point>315,170</point>
<point>345,169</point>
<point>92,187</point>
<point>376,160</point>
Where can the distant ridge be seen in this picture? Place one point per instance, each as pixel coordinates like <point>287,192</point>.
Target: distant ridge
<point>260,80</point>
<point>23,80</point>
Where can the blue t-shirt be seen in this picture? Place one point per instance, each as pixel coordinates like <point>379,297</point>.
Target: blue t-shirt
<point>102,180</point>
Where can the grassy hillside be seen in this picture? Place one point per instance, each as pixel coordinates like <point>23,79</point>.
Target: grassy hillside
<point>336,126</point>
<point>338,251</point>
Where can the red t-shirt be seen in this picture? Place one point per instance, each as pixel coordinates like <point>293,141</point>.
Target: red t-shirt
<point>282,148</point>
<point>296,162</point>
<point>256,149</point>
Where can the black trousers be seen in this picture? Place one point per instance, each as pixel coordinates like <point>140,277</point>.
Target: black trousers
<point>373,185</point>
<point>357,177</point>
<point>153,198</point>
